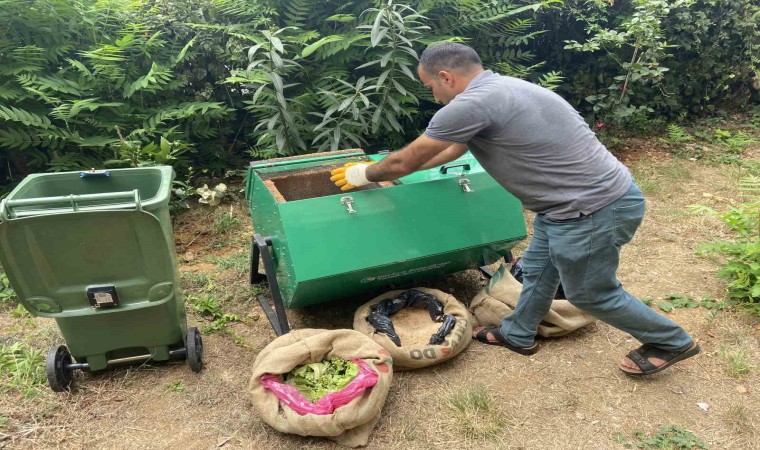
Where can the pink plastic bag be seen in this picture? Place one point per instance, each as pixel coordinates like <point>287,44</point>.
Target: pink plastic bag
<point>366,378</point>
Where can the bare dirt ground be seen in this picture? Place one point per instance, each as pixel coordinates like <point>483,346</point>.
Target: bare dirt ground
<point>570,395</point>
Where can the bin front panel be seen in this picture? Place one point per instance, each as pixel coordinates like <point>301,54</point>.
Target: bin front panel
<point>153,326</point>
<point>393,276</point>
<point>425,225</point>
<point>396,224</point>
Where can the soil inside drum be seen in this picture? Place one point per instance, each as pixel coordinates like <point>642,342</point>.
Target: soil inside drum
<point>414,326</point>
<point>307,183</point>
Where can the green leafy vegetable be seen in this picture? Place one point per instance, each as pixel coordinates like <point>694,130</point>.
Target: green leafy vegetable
<point>317,379</point>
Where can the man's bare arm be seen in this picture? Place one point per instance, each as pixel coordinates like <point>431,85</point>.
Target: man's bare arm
<point>450,154</point>
<point>413,157</point>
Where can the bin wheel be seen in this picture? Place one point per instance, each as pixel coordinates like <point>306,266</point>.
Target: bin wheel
<point>59,375</point>
<point>194,349</point>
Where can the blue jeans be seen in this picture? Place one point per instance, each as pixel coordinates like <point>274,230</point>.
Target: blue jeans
<point>584,254</point>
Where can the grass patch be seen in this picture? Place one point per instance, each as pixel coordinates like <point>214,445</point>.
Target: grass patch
<point>22,369</point>
<point>238,262</point>
<point>649,186</point>
<point>224,221</point>
<point>257,289</point>
<point>25,320</point>
<point>733,142</point>
<point>708,143</point>
<point>742,252</point>
<point>676,135</point>
<point>669,437</point>
<point>20,312</point>
<point>710,318</point>
<point>646,179</point>
<point>739,419</point>
<point>8,296</point>
<point>675,172</point>
<point>208,306</point>
<point>477,418</point>
<point>662,178</point>
<point>176,387</point>
<point>737,360</point>
<point>197,282</point>
<point>676,301</point>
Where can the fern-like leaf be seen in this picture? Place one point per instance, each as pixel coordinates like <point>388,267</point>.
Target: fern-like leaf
<point>10,91</point>
<point>154,79</point>
<point>13,114</point>
<point>551,80</point>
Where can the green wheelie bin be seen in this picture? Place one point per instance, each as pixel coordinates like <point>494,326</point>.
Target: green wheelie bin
<point>94,251</point>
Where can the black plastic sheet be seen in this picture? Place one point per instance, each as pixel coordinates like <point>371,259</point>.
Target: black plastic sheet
<point>380,313</point>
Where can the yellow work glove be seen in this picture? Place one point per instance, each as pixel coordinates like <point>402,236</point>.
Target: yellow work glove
<point>351,175</point>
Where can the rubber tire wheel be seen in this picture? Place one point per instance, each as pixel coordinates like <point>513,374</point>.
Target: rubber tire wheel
<point>58,374</point>
<point>194,347</point>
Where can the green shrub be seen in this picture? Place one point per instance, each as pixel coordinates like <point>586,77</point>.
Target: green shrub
<point>742,253</point>
<point>210,83</point>
<point>82,83</point>
<point>641,36</point>
<point>22,369</point>
<point>7,294</point>
<point>209,307</point>
<point>630,59</point>
<point>715,57</point>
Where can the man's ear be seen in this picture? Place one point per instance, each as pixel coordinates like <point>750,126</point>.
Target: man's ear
<point>445,77</point>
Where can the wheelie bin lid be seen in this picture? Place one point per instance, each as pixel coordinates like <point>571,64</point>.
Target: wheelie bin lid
<point>61,264</point>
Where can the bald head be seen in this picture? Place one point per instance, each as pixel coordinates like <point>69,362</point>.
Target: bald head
<point>449,56</point>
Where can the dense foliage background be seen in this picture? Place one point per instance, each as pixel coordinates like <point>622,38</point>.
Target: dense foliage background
<point>205,85</point>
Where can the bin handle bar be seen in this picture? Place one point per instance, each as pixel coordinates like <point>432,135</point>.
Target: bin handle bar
<point>72,200</point>
<point>465,167</point>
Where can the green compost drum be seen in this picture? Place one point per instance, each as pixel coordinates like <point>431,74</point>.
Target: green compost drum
<point>318,243</point>
<point>94,251</point>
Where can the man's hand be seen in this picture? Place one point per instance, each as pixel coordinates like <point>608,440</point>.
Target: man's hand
<point>351,175</point>
<point>423,153</point>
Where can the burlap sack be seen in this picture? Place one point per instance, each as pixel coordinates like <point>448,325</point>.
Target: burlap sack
<point>349,425</point>
<point>499,298</point>
<point>414,327</point>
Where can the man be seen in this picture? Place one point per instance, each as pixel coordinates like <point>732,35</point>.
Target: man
<point>587,206</point>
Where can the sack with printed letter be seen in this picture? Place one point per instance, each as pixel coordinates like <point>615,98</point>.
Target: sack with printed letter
<point>346,416</point>
<point>419,327</point>
<point>499,298</point>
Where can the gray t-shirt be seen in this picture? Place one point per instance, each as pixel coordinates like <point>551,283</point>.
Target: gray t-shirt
<point>533,143</point>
